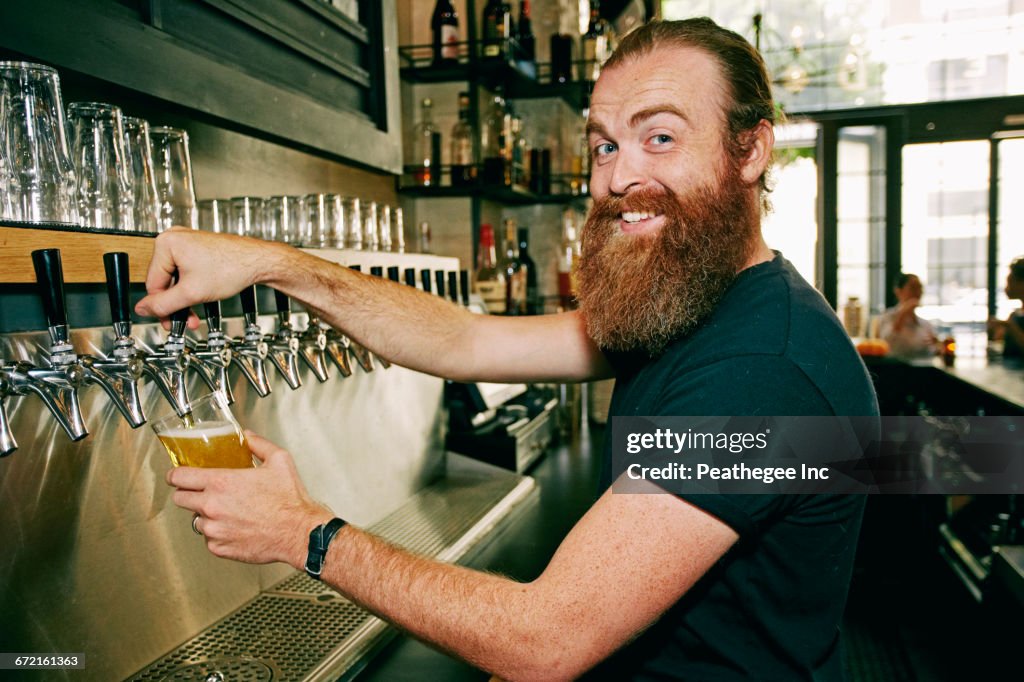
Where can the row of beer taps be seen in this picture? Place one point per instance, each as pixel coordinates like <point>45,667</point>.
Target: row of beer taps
<point>58,380</point>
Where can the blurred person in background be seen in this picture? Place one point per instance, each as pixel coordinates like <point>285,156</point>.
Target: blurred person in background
<point>1011,330</point>
<point>908,335</point>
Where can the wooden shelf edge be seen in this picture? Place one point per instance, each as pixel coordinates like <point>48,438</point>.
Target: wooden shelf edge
<point>81,254</point>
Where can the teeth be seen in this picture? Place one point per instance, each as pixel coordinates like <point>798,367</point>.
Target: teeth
<point>637,216</point>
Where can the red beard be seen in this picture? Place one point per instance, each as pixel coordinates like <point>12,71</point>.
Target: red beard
<point>640,292</point>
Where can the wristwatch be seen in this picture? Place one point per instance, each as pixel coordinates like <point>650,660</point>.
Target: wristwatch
<point>319,540</point>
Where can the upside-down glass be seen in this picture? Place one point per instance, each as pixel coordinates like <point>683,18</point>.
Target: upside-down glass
<point>175,188</point>
<point>371,240</point>
<point>398,227</point>
<point>139,152</point>
<point>215,215</point>
<point>384,233</point>
<point>315,220</point>
<point>283,218</point>
<point>336,222</point>
<point>40,172</point>
<point>354,211</point>
<point>103,187</point>
<point>209,436</point>
<point>246,217</point>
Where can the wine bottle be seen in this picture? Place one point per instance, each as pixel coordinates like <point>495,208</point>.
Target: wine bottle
<point>445,25</point>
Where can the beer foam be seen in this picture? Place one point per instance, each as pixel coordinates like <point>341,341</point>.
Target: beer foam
<point>202,430</point>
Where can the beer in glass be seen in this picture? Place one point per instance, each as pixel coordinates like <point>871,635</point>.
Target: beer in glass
<point>208,436</point>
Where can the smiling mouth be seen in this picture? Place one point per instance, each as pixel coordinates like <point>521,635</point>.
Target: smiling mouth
<point>639,220</point>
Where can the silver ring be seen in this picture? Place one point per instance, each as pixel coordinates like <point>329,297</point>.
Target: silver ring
<point>195,517</point>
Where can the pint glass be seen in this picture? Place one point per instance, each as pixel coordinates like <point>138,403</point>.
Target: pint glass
<point>208,437</point>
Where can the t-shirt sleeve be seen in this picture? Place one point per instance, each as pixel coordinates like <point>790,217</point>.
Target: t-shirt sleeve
<point>750,385</point>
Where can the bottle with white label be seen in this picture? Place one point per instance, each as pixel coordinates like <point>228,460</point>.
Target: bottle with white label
<point>445,25</point>
<point>490,281</point>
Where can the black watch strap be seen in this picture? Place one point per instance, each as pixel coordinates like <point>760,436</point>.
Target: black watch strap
<point>319,540</point>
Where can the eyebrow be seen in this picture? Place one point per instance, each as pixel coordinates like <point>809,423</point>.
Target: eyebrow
<point>595,127</point>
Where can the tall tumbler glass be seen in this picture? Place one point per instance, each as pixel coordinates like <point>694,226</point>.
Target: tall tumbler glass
<point>41,174</point>
<point>354,211</point>
<point>336,222</point>
<point>315,221</point>
<point>398,228</point>
<point>247,217</point>
<point>139,151</point>
<point>175,188</point>
<point>384,221</point>
<point>283,219</point>
<point>371,240</point>
<point>104,187</point>
<point>215,215</point>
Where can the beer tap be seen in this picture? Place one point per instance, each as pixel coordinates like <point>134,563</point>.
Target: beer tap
<point>57,384</point>
<point>214,355</point>
<point>7,442</point>
<point>312,342</point>
<point>439,282</point>
<point>167,367</point>
<point>283,346</point>
<point>425,279</point>
<point>464,287</point>
<point>119,374</point>
<point>249,353</point>
<point>336,346</point>
<point>410,277</point>
<point>453,286</point>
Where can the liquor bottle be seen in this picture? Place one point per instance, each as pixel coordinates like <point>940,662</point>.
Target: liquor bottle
<point>463,169</point>
<point>496,144</point>
<point>497,28</point>
<point>489,282</point>
<point>425,167</point>
<point>595,43</point>
<point>515,273</point>
<point>524,34</point>
<point>445,24</point>
<point>567,257</point>
<point>534,306</point>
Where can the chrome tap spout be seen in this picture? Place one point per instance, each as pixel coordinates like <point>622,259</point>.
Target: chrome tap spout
<point>119,379</point>
<point>167,370</point>
<point>57,387</point>
<point>249,353</point>
<point>312,350</point>
<point>283,346</point>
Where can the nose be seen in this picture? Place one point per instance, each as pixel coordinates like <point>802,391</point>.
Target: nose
<point>629,172</point>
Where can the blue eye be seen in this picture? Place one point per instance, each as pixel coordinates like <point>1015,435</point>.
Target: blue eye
<point>661,139</point>
<point>604,149</point>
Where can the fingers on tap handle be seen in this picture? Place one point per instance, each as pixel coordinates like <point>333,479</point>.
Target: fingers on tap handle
<point>50,277</point>
<point>179,316</point>
<point>116,266</point>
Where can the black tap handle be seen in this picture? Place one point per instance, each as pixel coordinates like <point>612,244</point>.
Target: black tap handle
<point>377,271</point>
<point>393,273</point>
<point>439,281</point>
<point>213,315</point>
<point>410,277</point>
<point>425,279</point>
<point>464,286</point>
<point>284,304</point>
<point>453,286</point>
<point>179,318</point>
<point>50,277</point>
<point>357,268</point>
<point>116,266</point>
<point>248,296</point>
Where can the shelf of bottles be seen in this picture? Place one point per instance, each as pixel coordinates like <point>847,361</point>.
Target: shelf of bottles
<point>518,78</point>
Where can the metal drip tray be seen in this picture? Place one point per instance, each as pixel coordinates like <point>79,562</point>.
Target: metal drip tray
<point>222,670</point>
<point>301,630</point>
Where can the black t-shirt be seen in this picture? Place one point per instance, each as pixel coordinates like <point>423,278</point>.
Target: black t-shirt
<point>1010,348</point>
<point>770,608</point>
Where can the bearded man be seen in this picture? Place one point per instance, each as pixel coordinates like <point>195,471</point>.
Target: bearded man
<point>680,300</point>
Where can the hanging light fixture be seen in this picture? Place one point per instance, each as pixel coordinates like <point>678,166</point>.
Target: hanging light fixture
<point>852,73</point>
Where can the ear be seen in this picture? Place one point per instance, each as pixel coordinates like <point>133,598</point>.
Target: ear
<point>760,143</point>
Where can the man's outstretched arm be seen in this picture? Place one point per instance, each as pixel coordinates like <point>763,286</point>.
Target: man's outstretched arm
<point>628,560</point>
<point>406,326</point>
